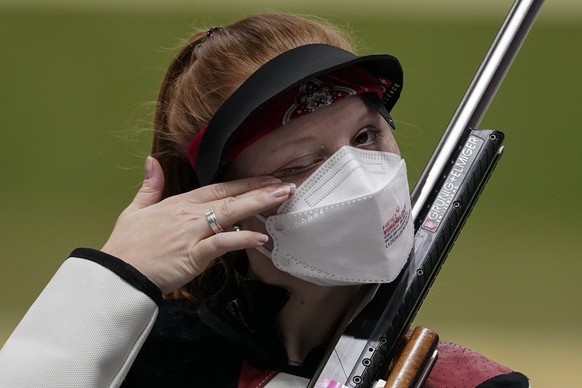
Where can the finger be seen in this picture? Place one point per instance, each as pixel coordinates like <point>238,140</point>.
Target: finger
<point>152,187</point>
<point>234,188</point>
<point>221,243</point>
<point>231,210</point>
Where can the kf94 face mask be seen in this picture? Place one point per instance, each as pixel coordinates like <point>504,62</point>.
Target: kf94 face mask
<point>348,223</point>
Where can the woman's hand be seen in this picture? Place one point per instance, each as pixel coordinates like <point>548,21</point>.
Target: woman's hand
<point>171,241</point>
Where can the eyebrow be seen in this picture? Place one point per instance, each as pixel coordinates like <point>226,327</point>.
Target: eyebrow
<point>361,114</point>
<point>306,138</point>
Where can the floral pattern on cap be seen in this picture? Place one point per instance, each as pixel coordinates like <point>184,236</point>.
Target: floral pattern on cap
<point>315,94</point>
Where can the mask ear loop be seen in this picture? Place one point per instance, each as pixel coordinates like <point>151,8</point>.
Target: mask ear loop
<point>261,248</point>
<point>261,218</point>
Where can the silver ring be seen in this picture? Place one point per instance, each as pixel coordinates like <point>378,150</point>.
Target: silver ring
<point>236,228</point>
<point>213,222</point>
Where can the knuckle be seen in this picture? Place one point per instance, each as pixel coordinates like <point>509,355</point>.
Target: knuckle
<point>197,260</point>
<point>195,263</point>
<point>220,190</point>
<point>218,244</point>
<point>253,183</point>
<point>226,207</point>
<point>266,198</point>
<point>263,199</point>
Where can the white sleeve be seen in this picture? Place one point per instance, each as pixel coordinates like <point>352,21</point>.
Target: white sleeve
<point>84,330</point>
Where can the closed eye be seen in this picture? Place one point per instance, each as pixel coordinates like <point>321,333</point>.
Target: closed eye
<point>300,166</point>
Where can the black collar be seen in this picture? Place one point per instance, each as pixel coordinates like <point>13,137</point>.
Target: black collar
<point>245,313</point>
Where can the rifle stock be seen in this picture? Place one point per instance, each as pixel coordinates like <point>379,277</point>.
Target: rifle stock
<point>365,347</point>
<point>415,360</point>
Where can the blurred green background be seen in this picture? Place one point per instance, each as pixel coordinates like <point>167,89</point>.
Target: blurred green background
<point>78,80</point>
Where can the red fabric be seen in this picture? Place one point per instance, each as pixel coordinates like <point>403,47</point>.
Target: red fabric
<point>459,367</point>
<point>251,377</point>
<point>194,146</point>
<point>307,97</point>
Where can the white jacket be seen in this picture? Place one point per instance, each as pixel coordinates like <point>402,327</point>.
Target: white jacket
<point>86,327</point>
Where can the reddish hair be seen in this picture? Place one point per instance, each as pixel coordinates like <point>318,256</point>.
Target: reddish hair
<point>203,74</point>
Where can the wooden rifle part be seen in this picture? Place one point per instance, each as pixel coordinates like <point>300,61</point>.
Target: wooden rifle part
<point>415,361</point>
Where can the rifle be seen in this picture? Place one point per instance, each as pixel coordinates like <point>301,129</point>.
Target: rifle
<point>366,343</point>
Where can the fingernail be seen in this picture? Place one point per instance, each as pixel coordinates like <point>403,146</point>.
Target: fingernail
<point>270,181</point>
<point>284,190</point>
<point>262,238</point>
<point>149,168</point>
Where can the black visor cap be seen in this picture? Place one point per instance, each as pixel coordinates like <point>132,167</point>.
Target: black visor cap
<point>274,78</point>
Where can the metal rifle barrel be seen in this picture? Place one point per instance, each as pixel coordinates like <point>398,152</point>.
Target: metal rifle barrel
<point>478,96</point>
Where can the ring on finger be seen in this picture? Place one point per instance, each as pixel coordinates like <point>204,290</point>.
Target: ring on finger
<point>213,222</point>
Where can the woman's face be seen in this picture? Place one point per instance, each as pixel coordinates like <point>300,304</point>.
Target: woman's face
<point>293,152</point>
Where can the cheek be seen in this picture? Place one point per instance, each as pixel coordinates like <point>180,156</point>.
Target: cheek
<point>253,224</point>
<point>389,143</point>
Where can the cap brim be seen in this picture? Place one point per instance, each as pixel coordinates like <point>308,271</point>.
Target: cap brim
<point>276,77</point>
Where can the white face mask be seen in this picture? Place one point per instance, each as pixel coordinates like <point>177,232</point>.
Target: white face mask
<point>348,223</point>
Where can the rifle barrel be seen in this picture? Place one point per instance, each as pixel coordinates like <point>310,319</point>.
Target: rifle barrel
<point>478,96</point>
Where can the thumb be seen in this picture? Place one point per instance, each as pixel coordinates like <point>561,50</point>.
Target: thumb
<point>152,186</point>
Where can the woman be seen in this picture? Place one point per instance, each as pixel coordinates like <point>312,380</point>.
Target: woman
<point>248,223</point>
